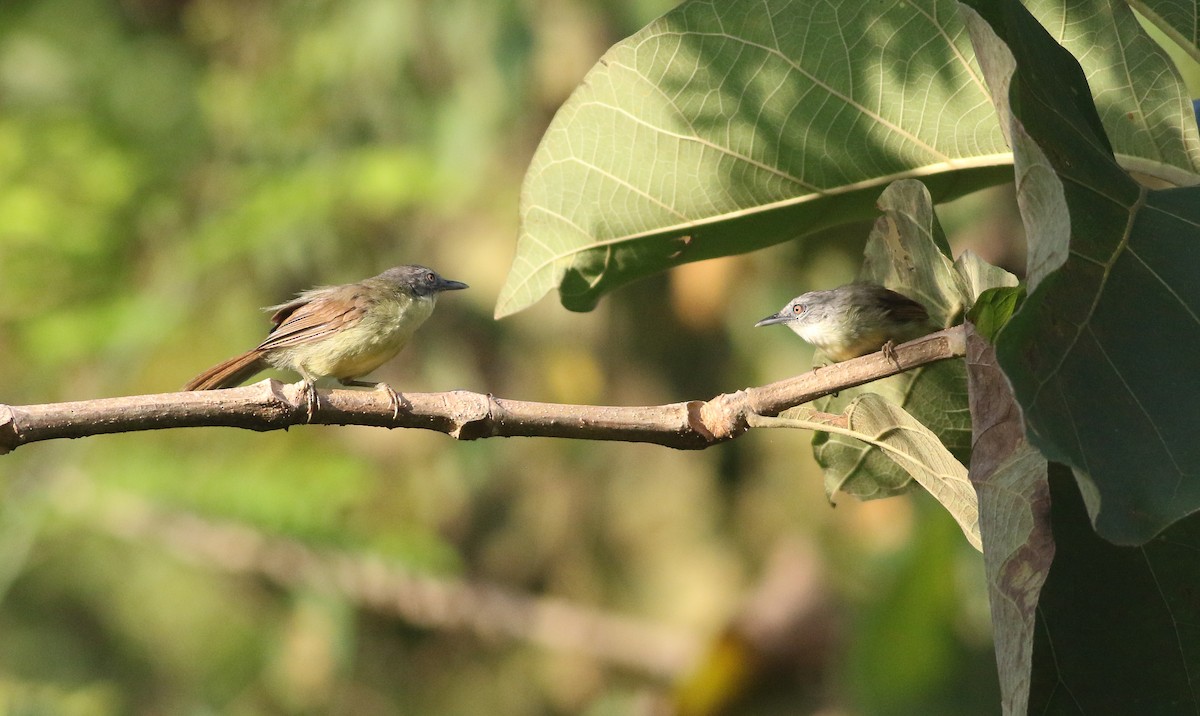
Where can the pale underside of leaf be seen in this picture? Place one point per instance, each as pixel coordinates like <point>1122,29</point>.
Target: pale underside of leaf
<point>726,127</point>
<point>1179,20</point>
<point>720,116</point>
<point>913,447</point>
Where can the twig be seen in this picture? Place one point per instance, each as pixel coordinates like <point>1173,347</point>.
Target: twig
<point>271,405</point>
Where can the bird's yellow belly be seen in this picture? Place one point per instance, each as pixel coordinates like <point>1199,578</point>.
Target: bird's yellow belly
<point>359,349</point>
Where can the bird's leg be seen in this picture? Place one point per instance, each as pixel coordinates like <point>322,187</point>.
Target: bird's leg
<point>393,396</point>
<point>310,395</point>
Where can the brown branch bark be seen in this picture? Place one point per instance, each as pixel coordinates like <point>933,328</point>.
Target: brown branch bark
<point>271,405</point>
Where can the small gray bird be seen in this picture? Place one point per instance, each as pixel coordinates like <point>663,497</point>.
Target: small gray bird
<point>341,332</point>
<point>853,320</point>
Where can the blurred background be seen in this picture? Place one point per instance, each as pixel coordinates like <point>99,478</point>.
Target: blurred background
<point>169,166</point>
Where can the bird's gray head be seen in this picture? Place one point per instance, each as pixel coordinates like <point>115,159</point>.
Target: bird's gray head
<point>807,308</point>
<point>420,281</point>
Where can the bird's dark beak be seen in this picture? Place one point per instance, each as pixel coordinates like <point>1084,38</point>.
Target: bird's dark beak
<point>773,318</point>
<point>445,284</point>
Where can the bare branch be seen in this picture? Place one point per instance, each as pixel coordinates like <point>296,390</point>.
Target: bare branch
<point>486,609</point>
<point>271,405</point>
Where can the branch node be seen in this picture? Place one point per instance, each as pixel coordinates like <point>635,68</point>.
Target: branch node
<point>722,418</point>
<point>471,414</point>
<point>695,416</point>
<point>279,395</point>
<point>274,389</point>
<point>10,430</point>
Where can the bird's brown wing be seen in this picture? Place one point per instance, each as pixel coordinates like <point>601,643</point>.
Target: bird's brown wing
<point>910,310</point>
<point>313,316</point>
<point>902,307</point>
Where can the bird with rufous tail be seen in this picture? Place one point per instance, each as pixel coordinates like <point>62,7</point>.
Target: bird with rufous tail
<point>342,332</point>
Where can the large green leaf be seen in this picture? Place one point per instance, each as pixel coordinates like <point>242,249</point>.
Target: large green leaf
<point>1116,626</point>
<point>726,127</point>
<point>1099,353</point>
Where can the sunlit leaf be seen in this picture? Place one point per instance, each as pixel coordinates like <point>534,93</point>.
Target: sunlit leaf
<point>1139,95</point>
<point>857,468</point>
<point>921,454</point>
<point>726,127</point>
<point>1179,20</point>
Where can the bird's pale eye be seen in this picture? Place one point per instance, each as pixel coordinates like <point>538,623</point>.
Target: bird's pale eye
<point>798,309</point>
<point>431,277</point>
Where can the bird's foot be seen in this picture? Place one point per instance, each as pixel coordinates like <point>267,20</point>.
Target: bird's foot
<point>889,352</point>
<point>393,397</point>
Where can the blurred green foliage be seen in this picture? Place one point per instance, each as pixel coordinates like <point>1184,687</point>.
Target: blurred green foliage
<point>167,166</point>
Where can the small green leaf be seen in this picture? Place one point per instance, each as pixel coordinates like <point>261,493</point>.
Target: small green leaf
<point>980,276</point>
<point>993,308</point>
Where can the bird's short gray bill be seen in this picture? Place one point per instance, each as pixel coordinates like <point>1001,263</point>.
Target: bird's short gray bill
<point>445,284</point>
<point>773,318</point>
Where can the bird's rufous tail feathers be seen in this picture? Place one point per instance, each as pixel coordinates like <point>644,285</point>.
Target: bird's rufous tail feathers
<point>231,373</point>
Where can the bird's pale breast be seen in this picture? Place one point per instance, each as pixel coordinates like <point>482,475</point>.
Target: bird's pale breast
<point>358,349</point>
